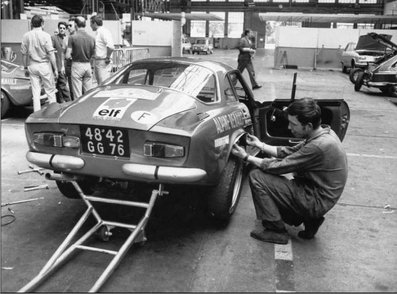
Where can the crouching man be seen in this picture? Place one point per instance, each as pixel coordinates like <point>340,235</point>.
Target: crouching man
<point>319,165</point>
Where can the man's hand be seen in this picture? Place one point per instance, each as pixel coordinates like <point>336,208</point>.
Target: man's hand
<point>107,60</point>
<point>63,70</point>
<point>239,151</point>
<point>253,141</point>
<point>56,75</point>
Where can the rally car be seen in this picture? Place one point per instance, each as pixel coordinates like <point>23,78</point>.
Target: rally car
<point>15,87</point>
<point>164,120</point>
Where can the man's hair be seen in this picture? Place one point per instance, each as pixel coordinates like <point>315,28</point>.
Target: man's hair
<point>62,23</point>
<point>247,31</point>
<point>80,21</point>
<point>37,21</point>
<point>97,19</point>
<point>306,110</point>
<point>72,18</point>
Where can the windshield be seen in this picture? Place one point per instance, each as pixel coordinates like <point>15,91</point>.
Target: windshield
<point>192,79</point>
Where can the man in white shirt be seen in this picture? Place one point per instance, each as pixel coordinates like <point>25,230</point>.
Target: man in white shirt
<point>103,49</point>
<point>38,59</point>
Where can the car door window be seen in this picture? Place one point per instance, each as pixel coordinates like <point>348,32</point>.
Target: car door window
<point>229,93</point>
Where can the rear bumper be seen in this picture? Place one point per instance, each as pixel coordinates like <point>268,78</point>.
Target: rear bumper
<point>131,171</point>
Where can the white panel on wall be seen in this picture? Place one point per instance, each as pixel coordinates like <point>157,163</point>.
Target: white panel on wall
<point>294,37</point>
<point>12,30</point>
<point>154,33</point>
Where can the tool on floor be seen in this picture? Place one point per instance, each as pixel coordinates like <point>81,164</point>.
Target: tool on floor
<point>35,187</point>
<point>102,228</point>
<point>32,169</point>
<point>21,201</point>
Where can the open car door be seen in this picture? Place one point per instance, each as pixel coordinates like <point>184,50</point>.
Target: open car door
<point>272,121</point>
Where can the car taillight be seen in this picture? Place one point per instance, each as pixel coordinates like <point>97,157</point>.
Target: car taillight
<point>56,140</point>
<point>154,149</point>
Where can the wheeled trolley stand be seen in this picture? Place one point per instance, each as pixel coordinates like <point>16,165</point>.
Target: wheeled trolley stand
<point>103,227</point>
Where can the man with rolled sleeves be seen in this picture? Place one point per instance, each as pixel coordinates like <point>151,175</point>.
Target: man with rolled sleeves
<point>103,49</point>
<point>38,59</point>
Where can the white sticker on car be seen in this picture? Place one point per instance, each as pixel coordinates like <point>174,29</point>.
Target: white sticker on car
<point>221,141</point>
<point>129,93</point>
<point>144,117</point>
<point>113,108</point>
<point>5,81</point>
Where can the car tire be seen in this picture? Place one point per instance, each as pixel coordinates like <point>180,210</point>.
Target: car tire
<point>354,74</point>
<point>359,82</point>
<point>223,198</point>
<point>68,190</point>
<point>5,104</point>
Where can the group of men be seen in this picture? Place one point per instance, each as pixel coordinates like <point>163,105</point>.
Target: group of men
<point>63,63</point>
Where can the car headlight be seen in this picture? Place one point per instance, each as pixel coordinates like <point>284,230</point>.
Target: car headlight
<point>56,140</point>
<point>155,149</point>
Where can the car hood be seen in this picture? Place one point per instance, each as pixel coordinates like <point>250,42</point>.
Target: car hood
<point>366,42</point>
<point>133,107</point>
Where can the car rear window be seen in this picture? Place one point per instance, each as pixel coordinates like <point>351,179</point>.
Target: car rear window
<point>192,79</point>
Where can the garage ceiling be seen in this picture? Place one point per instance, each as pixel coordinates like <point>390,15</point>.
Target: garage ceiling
<point>341,18</point>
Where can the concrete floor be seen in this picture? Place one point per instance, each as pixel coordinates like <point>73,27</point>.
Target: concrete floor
<point>355,249</point>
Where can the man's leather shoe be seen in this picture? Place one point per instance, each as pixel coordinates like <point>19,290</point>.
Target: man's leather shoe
<point>256,87</point>
<point>311,228</point>
<point>270,236</point>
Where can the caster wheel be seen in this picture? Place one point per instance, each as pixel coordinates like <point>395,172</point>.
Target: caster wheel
<point>103,234</point>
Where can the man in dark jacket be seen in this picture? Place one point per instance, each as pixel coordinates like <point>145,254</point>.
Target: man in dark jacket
<point>60,45</point>
<point>245,57</point>
<point>319,165</point>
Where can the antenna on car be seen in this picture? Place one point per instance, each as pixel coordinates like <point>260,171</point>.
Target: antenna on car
<point>293,87</point>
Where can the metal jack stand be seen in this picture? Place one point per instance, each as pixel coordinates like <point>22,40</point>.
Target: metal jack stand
<point>63,252</point>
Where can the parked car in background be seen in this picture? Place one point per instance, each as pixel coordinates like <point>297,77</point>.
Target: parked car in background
<point>171,121</point>
<point>204,45</point>
<point>15,87</point>
<point>392,50</point>
<point>383,77</point>
<point>186,45</point>
<point>367,50</point>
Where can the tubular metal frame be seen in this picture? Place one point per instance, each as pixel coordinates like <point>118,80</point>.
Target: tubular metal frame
<point>64,251</point>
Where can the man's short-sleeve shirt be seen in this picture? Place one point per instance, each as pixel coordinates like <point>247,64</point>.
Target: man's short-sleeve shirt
<point>83,46</point>
<point>37,44</point>
<point>103,39</point>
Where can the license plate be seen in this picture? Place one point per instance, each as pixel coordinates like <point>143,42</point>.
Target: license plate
<point>105,141</point>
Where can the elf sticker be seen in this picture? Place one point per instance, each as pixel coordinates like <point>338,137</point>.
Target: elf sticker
<point>113,109</point>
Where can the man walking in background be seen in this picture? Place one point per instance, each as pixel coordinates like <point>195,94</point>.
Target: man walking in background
<point>39,61</point>
<point>81,48</point>
<point>245,57</point>
<point>103,49</point>
<point>60,45</point>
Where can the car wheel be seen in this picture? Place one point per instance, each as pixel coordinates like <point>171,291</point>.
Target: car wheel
<point>68,190</point>
<point>354,74</point>
<point>359,81</point>
<point>190,51</point>
<point>223,199</point>
<point>344,68</point>
<point>5,104</point>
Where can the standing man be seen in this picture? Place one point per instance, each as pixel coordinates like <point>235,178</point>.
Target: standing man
<point>81,48</point>
<point>68,61</point>
<point>245,57</point>
<point>39,61</point>
<point>60,45</point>
<point>103,49</point>
<point>320,166</point>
